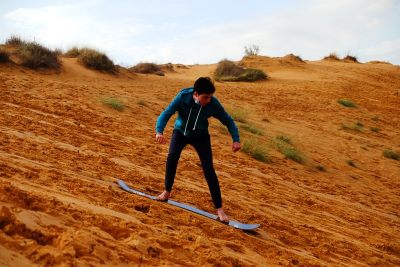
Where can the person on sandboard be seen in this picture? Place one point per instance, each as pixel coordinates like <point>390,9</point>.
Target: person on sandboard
<point>194,106</point>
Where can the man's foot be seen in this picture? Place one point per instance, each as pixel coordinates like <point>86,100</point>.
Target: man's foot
<point>164,196</point>
<point>222,216</point>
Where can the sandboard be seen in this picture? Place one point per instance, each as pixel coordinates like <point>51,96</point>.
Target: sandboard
<point>236,224</point>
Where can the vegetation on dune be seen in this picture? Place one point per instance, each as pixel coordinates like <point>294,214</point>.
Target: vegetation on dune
<point>252,50</point>
<point>347,103</point>
<point>351,163</point>
<point>252,129</point>
<point>14,40</point>
<point>255,150</point>
<point>34,55</point>
<point>238,115</point>
<point>114,103</point>
<point>285,146</point>
<point>321,168</point>
<point>73,52</point>
<point>94,59</point>
<point>332,56</point>
<point>228,71</point>
<point>390,154</point>
<point>4,57</point>
<point>350,58</point>
<point>147,68</point>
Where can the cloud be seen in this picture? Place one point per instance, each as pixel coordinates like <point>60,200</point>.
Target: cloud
<point>309,28</point>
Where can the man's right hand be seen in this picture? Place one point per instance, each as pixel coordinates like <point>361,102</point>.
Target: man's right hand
<point>160,138</point>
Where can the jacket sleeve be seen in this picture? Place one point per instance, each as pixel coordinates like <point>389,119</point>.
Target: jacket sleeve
<point>226,120</point>
<point>166,114</point>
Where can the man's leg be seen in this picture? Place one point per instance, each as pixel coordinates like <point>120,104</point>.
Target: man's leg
<point>178,142</point>
<point>203,148</point>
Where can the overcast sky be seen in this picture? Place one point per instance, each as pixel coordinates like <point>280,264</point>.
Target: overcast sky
<point>191,32</point>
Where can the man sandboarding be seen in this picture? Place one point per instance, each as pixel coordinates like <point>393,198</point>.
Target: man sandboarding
<point>194,106</point>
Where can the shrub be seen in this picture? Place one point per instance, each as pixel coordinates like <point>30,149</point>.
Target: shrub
<point>34,55</point>
<point>285,146</point>
<point>228,68</point>
<point>148,68</point>
<point>229,71</point>
<point>375,130</point>
<point>4,56</point>
<point>347,103</point>
<point>94,59</point>
<point>283,138</point>
<point>351,163</point>
<point>252,148</point>
<point>73,52</point>
<point>239,115</point>
<point>292,153</point>
<point>350,58</point>
<point>252,129</point>
<point>114,103</point>
<point>332,56</point>
<point>253,50</point>
<point>14,41</point>
<point>390,154</point>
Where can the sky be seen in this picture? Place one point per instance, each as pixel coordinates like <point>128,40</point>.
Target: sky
<point>205,32</point>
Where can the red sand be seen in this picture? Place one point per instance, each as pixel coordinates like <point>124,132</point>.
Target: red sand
<point>62,151</point>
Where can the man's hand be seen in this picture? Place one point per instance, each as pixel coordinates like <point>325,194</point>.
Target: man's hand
<point>236,146</point>
<point>160,138</point>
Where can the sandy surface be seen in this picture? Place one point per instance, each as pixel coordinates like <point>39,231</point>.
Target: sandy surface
<point>61,151</point>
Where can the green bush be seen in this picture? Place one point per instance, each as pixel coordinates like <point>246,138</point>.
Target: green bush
<point>34,55</point>
<point>228,71</point>
<point>114,103</point>
<point>252,129</point>
<point>94,59</point>
<point>285,146</point>
<point>238,115</point>
<point>390,154</point>
<point>347,103</point>
<point>255,150</point>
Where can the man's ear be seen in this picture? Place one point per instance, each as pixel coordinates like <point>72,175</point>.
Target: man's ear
<point>196,94</point>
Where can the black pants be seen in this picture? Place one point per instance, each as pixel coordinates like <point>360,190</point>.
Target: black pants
<point>202,145</point>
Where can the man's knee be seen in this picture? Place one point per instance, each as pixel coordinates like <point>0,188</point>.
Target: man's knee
<point>174,156</point>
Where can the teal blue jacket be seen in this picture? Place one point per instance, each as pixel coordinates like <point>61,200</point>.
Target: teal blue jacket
<point>192,118</point>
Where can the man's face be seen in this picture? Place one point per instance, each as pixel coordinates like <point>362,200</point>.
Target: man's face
<point>204,99</point>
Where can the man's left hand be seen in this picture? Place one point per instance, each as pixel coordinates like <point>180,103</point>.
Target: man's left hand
<point>236,146</point>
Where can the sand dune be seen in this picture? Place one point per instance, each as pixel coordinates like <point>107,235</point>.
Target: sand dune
<point>62,151</point>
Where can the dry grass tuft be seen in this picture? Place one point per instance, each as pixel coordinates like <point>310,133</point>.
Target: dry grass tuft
<point>228,71</point>
<point>332,56</point>
<point>94,59</point>
<point>148,68</point>
<point>350,58</point>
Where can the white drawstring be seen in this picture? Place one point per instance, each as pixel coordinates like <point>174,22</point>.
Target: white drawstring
<point>197,118</point>
<point>187,121</point>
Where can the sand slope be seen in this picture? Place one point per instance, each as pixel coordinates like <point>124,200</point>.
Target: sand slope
<point>61,151</point>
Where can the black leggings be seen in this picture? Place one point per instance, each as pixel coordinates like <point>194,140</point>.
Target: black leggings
<point>202,144</point>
